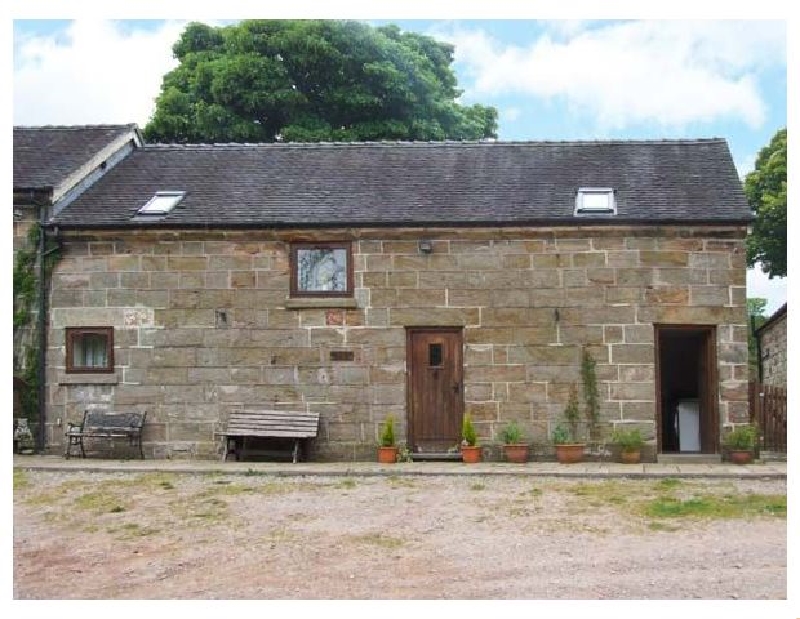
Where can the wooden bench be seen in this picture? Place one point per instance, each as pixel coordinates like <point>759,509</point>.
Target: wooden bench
<point>244,424</point>
<point>106,425</point>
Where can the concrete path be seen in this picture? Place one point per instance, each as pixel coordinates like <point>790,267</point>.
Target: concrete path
<point>601,470</point>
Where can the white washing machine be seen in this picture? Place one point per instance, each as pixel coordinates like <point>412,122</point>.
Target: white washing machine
<point>688,422</point>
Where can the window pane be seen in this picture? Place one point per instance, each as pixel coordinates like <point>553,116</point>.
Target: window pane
<point>435,355</point>
<point>89,351</point>
<point>322,270</point>
<point>596,201</point>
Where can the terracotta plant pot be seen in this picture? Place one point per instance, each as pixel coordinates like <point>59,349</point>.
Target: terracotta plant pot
<point>740,457</point>
<point>569,453</point>
<point>470,454</point>
<point>516,453</point>
<point>387,455</point>
<point>630,457</point>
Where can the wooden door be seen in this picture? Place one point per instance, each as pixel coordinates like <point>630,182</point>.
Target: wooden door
<point>707,381</point>
<point>435,388</point>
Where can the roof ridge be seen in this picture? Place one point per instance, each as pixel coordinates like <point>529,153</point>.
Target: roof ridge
<point>426,144</point>
<point>76,127</point>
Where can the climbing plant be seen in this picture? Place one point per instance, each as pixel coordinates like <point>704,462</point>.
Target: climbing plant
<point>26,294</point>
<point>590,393</point>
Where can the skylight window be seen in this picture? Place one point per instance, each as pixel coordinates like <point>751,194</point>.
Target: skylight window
<point>595,200</point>
<point>162,203</point>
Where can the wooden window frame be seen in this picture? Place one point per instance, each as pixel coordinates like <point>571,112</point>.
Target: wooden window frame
<point>72,333</point>
<point>294,292</point>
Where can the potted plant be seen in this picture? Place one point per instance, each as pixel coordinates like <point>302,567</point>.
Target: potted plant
<point>740,443</point>
<point>513,446</point>
<point>470,452</point>
<point>387,451</point>
<point>630,444</point>
<point>565,439</point>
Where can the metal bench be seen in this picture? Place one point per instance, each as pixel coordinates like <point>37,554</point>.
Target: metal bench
<point>106,425</point>
<point>245,424</point>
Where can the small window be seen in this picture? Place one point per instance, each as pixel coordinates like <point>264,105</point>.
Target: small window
<point>595,200</point>
<point>162,203</point>
<point>435,355</point>
<point>321,270</point>
<point>90,349</point>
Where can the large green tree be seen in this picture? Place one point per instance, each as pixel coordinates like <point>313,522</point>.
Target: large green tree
<point>312,80</point>
<point>765,188</point>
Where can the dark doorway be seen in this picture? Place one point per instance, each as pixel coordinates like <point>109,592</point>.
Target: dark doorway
<point>435,393</point>
<point>686,389</point>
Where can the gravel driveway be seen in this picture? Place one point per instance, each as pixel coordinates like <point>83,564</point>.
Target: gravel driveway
<point>173,536</point>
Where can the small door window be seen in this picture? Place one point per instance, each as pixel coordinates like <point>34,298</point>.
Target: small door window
<point>435,355</point>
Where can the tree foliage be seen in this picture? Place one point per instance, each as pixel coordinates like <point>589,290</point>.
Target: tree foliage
<point>312,80</point>
<point>756,312</point>
<point>765,188</point>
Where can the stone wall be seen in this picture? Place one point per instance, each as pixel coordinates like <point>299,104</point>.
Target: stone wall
<point>773,352</point>
<point>202,325</point>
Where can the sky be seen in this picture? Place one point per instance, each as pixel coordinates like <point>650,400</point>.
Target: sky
<point>550,79</point>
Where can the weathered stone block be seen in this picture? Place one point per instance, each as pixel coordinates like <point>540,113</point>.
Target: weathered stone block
<point>494,373</point>
<point>634,277</point>
<point>434,317</point>
<point>574,278</point>
<point>632,353</point>
<point>681,244</point>
<point>612,334</point>
<point>667,295</point>
<point>633,391</point>
<point>482,411</point>
<point>580,334</point>
<point>187,263</point>
<point>710,295</point>
<point>709,260</point>
<point>614,294</point>
<point>551,260</point>
<point>479,392</point>
<point>639,334</point>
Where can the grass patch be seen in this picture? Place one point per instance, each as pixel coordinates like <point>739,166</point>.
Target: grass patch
<point>603,493</point>
<point>400,482</point>
<point>20,479</point>
<point>99,502</point>
<point>227,490</point>
<point>478,487</point>
<point>379,539</point>
<point>709,506</point>
<point>667,482</point>
<point>346,484</point>
<point>131,530</point>
<point>660,526</point>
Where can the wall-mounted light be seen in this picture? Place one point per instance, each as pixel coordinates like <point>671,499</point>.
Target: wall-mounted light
<point>425,247</point>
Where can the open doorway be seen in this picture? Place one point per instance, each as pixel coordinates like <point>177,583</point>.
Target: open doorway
<point>686,390</point>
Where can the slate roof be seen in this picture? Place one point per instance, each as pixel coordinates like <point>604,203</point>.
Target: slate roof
<point>389,183</point>
<point>46,156</point>
<point>780,312</point>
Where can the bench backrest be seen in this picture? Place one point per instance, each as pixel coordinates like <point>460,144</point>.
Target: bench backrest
<point>105,419</point>
<point>277,423</point>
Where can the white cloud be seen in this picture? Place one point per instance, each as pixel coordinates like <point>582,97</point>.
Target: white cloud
<point>510,114</point>
<point>668,72</point>
<point>94,72</point>
<point>760,286</point>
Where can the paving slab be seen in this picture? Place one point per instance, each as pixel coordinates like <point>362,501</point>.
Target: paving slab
<point>601,470</point>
